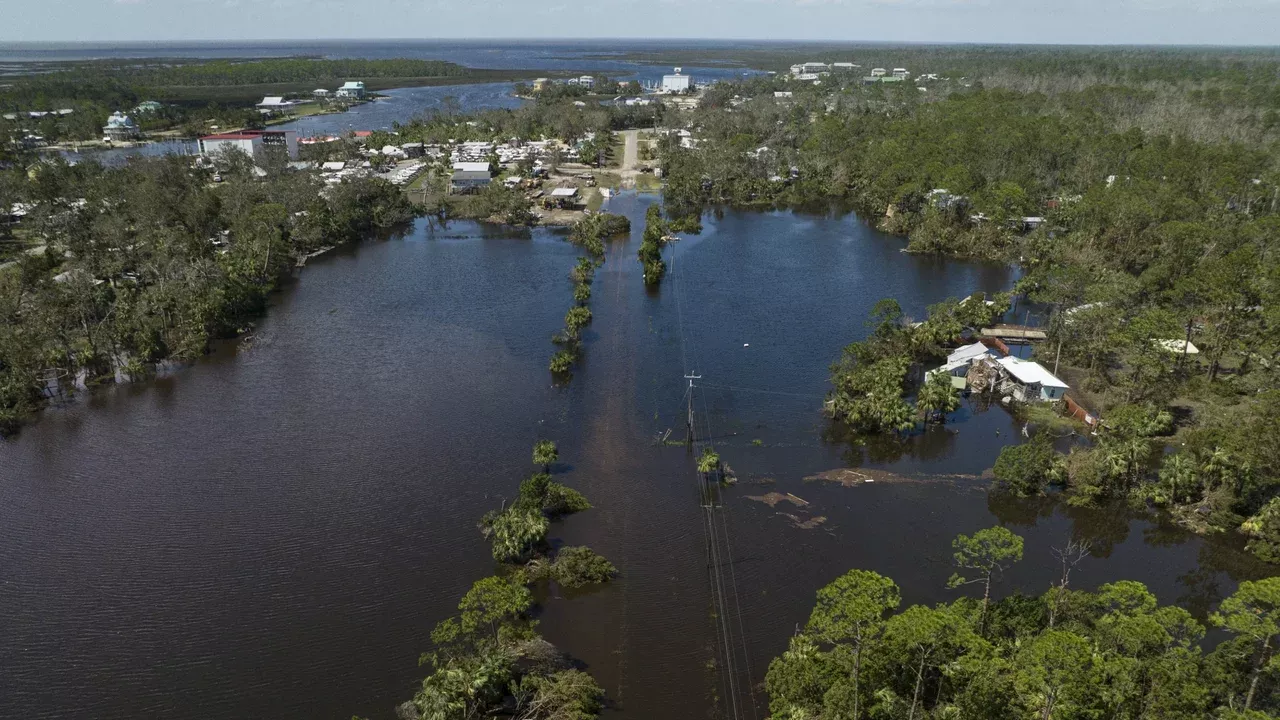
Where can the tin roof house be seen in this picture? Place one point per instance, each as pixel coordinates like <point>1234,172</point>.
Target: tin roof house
<point>1028,381</point>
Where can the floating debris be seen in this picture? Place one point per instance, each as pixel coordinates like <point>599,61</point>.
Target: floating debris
<point>773,498</point>
<point>849,477</point>
<point>809,524</point>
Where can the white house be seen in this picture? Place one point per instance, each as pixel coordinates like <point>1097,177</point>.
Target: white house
<point>1028,381</point>
<point>901,73</point>
<point>810,68</point>
<point>877,72</point>
<point>960,360</point>
<point>320,93</point>
<point>251,142</point>
<point>351,89</point>
<point>844,67</point>
<point>676,82</point>
<point>119,127</point>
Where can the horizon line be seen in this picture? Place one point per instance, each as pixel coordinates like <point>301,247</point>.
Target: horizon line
<point>766,41</point>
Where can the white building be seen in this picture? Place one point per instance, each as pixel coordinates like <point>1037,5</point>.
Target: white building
<point>877,72</point>
<point>676,82</point>
<point>810,68</point>
<point>586,81</point>
<point>901,73</point>
<point>320,93</point>
<point>253,143</point>
<point>119,127</point>
<point>351,89</point>
<point>1028,381</point>
<point>844,67</point>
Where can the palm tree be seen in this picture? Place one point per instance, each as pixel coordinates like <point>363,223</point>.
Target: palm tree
<point>545,454</point>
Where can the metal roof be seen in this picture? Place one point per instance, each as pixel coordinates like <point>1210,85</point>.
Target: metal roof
<point>1028,372</point>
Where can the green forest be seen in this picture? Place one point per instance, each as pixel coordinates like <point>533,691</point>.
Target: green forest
<point>128,267</point>
<point>1110,653</point>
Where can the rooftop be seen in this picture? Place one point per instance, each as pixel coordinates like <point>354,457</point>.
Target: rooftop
<point>1028,372</point>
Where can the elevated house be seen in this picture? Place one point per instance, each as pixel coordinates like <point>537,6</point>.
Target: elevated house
<point>351,90</point>
<point>120,127</point>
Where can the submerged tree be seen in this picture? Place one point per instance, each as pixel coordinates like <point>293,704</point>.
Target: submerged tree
<point>937,397</point>
<point>708,461</point>
<point>545,454</point>
<point>987,553</point>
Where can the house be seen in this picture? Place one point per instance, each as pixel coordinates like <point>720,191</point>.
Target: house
<point>320,94</point>
<point>414,150</point>
<point>540,84</point>
<point>782,94</point>
<point>470,176</point>
<point>844,67</point>
<point>877,72</point>
<point>352,89</point>
<point>676,82</point>
<point>810,68</point>
<point>120,127</point>
<point>960,360</point>
<point>1028,381</point>
<point>901,73</point>
<point>586,81</point>
<point>253,143</point>
<point>273,104</point>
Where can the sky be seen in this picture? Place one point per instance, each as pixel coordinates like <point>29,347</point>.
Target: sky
<point>1212,22</point>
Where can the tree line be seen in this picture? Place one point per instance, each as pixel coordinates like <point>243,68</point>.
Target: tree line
<point>490,658</point>
<point>131,266</point>
<point>588,233</point>
<point>1066,654</point>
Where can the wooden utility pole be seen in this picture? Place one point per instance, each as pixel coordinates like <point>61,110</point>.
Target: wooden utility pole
<point>689,396</point>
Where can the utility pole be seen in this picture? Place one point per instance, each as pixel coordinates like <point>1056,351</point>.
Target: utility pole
<point>689,395</point>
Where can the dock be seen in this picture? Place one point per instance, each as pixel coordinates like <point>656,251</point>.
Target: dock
<point>1016,333</point>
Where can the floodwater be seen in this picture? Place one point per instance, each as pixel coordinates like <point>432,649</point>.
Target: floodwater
<point>274,531</point>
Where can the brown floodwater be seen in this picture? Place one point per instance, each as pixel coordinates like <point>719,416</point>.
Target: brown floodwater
<point>273,531</point>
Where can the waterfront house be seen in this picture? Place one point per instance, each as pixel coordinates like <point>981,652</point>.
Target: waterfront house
<point>961,360</point>
<point>253,143</point>
<point>540,84</point>
<point>1029,381</point>
<point>470,177</point>
<point>320,94</point>
<point>273,104</point>
<point>352,90</point>
<point>120,127</point>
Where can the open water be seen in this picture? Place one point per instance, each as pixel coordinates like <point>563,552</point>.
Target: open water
<point>273,531</point>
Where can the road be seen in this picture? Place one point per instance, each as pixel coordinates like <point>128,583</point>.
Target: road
<point>630,157</point>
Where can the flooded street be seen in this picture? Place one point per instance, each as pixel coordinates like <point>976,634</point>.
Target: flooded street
<point>275,530</point>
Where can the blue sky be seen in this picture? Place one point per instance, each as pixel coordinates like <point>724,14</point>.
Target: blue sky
<point>1230,22</point>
